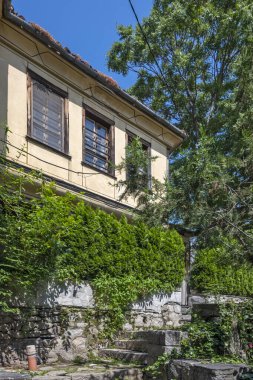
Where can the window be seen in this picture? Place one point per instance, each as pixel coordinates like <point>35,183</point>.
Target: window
<point>142,173</point>
<point>98,141</point>
<point>47,116</point>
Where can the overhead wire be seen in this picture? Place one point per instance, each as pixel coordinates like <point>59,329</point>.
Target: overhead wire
<point>47,162</point>
<point>114,111</point>
<point>11,161</point>
<point>161,76</point>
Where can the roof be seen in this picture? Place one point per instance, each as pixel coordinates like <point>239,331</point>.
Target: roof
<point>45,37</point>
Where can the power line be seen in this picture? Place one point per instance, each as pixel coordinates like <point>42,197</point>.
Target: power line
<point>47,162</point>
<point>161,76</point>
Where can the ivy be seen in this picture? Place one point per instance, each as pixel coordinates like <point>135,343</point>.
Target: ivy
<point>61,238</point>
<point>225,339</point>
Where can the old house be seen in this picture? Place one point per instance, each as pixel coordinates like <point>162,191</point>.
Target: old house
<point>69,120</point>
<point>72,123</point>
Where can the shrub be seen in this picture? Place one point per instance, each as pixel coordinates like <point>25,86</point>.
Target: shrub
<point>62,238</point>
<point>219,272</point>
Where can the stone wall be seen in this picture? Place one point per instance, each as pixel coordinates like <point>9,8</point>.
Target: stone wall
<point>194,370</point>
<point>208,308</point>
<point>59,334</point>
<point>64,325</point>
<point>39,326</point>
<point>170,315</point>
<point>162,310</point>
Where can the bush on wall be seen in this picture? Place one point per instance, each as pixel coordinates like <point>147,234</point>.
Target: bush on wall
<point>218,271</point>
<point>62,238</point>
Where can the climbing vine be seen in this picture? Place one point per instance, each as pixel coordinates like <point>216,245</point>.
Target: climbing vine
<point>228,336</point>
<point>62,238</point>
<point>226,339</point>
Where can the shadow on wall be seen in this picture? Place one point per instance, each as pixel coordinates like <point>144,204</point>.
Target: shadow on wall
<point>54,319</point>
<point>43,321</point>
<point>31,326</point>
<point>155,302</point>
<point>53,294</point>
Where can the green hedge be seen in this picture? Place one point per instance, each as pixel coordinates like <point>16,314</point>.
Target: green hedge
<point>59,238</point>
<point>64,239</point>
<point>218,272</point>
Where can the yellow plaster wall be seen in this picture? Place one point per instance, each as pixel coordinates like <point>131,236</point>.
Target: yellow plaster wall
<point>19,55</point>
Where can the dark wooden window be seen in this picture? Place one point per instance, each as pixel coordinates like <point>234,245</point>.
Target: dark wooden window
<point>48,114</point>
<point>98,141</point>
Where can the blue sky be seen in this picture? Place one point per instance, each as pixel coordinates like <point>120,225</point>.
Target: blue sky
<point>86,27</point>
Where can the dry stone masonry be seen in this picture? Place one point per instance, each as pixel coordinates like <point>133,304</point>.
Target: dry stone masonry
<point>194,370</point>
<point>59,321</point>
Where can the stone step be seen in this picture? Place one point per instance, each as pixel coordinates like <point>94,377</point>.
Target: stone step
<point>90,371</point>
<point>124,355</point>
<point>9,375</point>
<point>193,369</point>
<point>153,350</point>
<point>119,374</point>
<point>131,344</point>
<point>161,337</point>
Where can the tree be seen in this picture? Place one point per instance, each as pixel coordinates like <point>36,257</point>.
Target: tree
<point>136,166</point>
<point>193,61</point>
<point>195,44</point>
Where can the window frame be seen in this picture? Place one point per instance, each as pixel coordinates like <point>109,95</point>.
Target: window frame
<point>31,76</point>
<point>147,145</point>
<point>108,124</point>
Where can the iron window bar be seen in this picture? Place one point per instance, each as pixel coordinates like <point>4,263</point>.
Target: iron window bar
<point>94,143</point>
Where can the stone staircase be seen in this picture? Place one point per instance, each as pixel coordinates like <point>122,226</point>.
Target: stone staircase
<point>144,347</point>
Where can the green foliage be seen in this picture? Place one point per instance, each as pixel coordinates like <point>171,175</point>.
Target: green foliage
<point>61,238</point>
<point>78,360</point>
<point>196,45</point>
<point>136,166</point>
<point>115,295</point>
<point>150,194</point>
<point>157,368</point>
<point>203,340</point>
<point>213,340</point>
<point>219,271</point>
<point>204,50</point>
<point>246,376</point>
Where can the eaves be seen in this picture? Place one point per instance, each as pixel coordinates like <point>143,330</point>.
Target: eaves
<point>88,70</point>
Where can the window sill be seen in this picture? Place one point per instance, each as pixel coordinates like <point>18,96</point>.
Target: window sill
<point>54,150</point>
<point>98,170</point>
